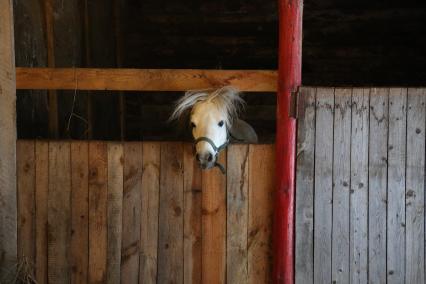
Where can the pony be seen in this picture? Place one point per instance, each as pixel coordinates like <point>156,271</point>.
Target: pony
<point>213,116</point>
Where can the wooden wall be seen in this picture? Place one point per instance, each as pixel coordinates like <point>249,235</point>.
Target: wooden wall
<point>360,198</point>
<point>104,212</point>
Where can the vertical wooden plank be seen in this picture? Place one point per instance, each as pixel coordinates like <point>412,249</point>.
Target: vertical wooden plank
<point>170,241</point>
<point>41,200</point>
<point>359,186</point>
<point>149,213</point>
<point>115,218</point>
<point>396,186</point>
<point>304,238</point>
<point>25,163</point>
<point>261,194</point>
<point>415,187</point>
<point>192,217</point>
<point>323,185</point>
<point>341,185</point>
<point>377,178</point>
<point>131,212</point>
<point>214,224</point>
<point>80,211</point>
<point>8,208</point>
<point>59,212</point>
<point>237,214</point>
<point>50,46</point>
<point>98,178</point>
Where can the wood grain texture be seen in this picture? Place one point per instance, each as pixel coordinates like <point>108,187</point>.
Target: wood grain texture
<point>170,240</point>
<point>8,208</point>
<point>149,213</point>
<point>41,200</point>
<point>115,210</point>
<point>359,186</point>
<point>415,187</point>
<point>304,215</point>
<point>341,185</point>
<point>131,212</point>
<point>237,214</point>
<point>98,195</point>
<point>323,185</point>
<point>192,241</point>
<point>144,79</point>
<point>377,178</point>
<point>25,163</point>
<point>59,213</point>
<point>80,211</point>
<point>214,224</point>
<point>396,185</point>
<point>261,194</point>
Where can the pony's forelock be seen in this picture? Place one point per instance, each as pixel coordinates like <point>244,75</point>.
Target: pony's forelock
<point>226,99</point>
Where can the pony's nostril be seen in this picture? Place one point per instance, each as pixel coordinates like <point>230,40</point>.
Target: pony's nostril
<point>197,157</point>
<point>210,157</point>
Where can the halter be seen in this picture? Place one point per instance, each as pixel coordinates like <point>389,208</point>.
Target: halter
<point>216,149</point>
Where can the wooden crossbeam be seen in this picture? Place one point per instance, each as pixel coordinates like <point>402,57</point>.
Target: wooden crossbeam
<point>143,79</point>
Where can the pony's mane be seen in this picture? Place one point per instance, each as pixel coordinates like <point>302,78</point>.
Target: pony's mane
<point>226,99</point>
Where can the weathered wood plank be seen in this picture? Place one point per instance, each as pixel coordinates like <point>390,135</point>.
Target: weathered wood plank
<point>237,214</point>
<point>144,79</point>
<point>359,186</point>
<point>323,185</point>
<point>396,185</point>
<point>25,163</point>
<point>214,224</point>
<point>170,241</point>
<point>149,214</point>
<point>41,200</point>
<point>131,212</point>
<point>98,180</point>
<point>80,211</point>
<point>8,208</point>
<point>192,217</point>
<point>377,178</point>
<point>304,231</point>
<point>341,185</point>
<point>115,210</point>
<point>59,212</point>
<point>415,187</point>
<point>261,194</point>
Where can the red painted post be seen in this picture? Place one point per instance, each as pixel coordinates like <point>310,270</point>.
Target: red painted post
<point>289,78</point>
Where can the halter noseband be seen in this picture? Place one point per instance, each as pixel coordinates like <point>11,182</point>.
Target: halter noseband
<point>216,149</point>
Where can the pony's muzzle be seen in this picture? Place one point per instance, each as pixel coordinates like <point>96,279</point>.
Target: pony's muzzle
<point>206,160</point>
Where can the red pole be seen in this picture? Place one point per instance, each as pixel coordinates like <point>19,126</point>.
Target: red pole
<point>289,78</point>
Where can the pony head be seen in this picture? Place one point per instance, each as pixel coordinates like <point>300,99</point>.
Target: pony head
<point>211,114</point>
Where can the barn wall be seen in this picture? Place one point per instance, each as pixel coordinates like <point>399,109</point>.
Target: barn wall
<point>360,202</point>
<point>104,212</point>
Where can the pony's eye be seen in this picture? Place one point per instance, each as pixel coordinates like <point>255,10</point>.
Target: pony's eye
<point>220,123</point>
<point>193,125</point>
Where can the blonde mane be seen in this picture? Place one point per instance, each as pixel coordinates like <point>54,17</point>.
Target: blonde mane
<point>226,99</point>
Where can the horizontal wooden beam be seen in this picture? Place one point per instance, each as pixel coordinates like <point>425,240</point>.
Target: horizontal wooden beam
<point>143,79</point>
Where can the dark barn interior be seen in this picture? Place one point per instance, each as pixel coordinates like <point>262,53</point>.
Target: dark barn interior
<point>346,43</point>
